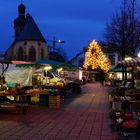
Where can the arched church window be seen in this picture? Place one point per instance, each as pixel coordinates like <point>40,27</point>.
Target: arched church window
<point>20,53</point>
<point>42,53</point>
<point>32,54</point>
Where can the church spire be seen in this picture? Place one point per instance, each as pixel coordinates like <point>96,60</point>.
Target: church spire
<point>21,9</point>
<point>20,21</point>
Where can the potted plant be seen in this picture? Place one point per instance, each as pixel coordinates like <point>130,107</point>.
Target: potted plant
<point>128,116</point>
<point>129,127</point>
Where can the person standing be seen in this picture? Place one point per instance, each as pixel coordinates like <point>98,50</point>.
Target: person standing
<point>84,80</point>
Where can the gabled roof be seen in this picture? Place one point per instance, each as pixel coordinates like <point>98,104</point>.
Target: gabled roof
<point>31,31</point>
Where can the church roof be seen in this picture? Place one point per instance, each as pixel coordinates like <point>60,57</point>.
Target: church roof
<point>31,31</point>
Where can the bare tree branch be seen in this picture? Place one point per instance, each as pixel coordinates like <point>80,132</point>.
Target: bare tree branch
<point>123,31</point>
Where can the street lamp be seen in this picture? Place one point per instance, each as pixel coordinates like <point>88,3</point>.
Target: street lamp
<point>54,41</point>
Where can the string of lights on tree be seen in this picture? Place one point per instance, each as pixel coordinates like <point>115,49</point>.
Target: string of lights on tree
<point>95,58</point>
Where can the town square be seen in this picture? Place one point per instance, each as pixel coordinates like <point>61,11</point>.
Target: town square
<point>70,70</point>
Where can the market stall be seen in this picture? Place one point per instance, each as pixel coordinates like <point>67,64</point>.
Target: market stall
<point>38,83</point>
<point>133,66</point>
<point>20,87</point>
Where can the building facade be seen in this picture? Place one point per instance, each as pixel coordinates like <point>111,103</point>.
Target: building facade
<point>29,44</point>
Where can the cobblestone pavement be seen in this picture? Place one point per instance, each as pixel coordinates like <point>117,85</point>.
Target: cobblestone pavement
<point>81,117</point>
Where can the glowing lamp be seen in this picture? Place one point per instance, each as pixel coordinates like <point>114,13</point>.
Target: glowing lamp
<point>47,68</point>
<point>60,69</point>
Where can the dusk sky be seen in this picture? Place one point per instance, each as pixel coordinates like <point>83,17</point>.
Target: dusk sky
<point>75,21</point>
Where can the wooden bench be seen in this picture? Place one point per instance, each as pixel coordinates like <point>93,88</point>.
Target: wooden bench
<point>20,107</point>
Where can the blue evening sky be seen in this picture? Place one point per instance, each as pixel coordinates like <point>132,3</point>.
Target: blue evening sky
<point>75,21</point>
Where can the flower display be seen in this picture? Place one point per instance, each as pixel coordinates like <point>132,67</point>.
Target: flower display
<point>118,115</point>
<point>130,124</point>
<point>119,120</point>
<point>128,115</point>
<point>129,128</point>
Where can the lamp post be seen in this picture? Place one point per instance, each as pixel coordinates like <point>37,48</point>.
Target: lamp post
<point>54,41</point>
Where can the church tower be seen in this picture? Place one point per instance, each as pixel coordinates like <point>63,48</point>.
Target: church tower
<point>29,43</point>
<point>20,21</point>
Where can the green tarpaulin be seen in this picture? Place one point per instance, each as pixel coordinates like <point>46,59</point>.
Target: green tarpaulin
<point>115,69</point>
<point>57,64</point>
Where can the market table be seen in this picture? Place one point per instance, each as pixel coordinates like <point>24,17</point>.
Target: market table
<point>7,101</point>
<point>21,107</point>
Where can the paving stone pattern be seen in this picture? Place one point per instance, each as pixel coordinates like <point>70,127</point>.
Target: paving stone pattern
<point>81,117</point>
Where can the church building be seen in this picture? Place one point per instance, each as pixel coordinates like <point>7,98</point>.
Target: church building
<point>29,44</point>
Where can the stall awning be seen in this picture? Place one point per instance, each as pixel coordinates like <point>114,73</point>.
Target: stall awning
<point>132,62</point>
<point>15,62</point>
<point>57,64</point>
<point>115,69</point>
<point>50,62</point>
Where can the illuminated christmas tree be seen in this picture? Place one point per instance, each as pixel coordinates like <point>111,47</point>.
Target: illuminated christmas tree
<point>95,59</point>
